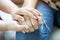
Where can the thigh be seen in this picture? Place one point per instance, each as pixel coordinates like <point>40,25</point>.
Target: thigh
<point>42,33</point>
<point>9,35</point>
<point>47,14</point>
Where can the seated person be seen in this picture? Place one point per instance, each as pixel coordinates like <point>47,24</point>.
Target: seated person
<point>12,8</point>
<point>7,23</point>
<point>47,12</point>
<point>44,30</point>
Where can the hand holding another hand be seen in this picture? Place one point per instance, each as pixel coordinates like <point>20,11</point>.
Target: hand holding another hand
<point>30,17</point>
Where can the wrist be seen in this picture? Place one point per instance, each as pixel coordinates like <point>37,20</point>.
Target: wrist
<point>30,3</point>
<point>11,26</point>
<point>27,6</point>
<point>14,11</point>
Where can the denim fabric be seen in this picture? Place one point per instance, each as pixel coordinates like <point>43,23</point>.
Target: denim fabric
<point>42,33</point>
<point>57,18</point>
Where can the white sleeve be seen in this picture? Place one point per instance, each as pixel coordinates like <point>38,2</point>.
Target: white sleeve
<point>5,16</point>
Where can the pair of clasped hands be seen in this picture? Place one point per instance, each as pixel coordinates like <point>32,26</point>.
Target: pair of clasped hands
<point>26,19</point>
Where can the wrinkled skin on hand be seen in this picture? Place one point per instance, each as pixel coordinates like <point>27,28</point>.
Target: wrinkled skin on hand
<point>32,24</point>
<point>30,17</point>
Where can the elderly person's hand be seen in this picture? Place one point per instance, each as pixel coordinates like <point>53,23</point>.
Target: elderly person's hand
<point>7,23</point>
<point>33,23</point>
<point>31,17</point>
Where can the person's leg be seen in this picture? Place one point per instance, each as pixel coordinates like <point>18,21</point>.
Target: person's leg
<point>57,18</point>
<point>10,35</point>
<point>42,33</point>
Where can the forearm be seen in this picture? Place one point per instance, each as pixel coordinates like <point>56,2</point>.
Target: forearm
<point>30,3</point>
<point>8,6</point>
<point>5,26</point>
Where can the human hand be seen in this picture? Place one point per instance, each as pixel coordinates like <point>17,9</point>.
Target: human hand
<point>28,22</point>
<point>37,14</point>
<point>11,24</point>
<point>31,12</point>
<point>33,22</point>
<point>23,12</point>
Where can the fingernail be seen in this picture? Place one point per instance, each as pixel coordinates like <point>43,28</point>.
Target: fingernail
<point>23,31</point>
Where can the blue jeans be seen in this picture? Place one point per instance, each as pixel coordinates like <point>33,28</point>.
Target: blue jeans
<point>57,18</point>
<point>42,33</point>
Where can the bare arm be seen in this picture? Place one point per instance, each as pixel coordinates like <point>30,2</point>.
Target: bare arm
<point>30,3</point>
<point>8,6</point>
<point>6,26</point>
<point>12,26</point>
<point>3,25</point>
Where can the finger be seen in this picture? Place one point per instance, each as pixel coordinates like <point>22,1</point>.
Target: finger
<point>31,29</point>
<point>26,30</point>
<point>20,12</point>
<point>30,14</point>
<point>23,27</point>
<point>24,23</point>
<point>34,24</point>
<point>36,13</point>
<point>28,22</point>
<point>17,17</point>
<point>13,25</point>
<point>23,31</point>
<point>40,20</point>
<point>20,18</point>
